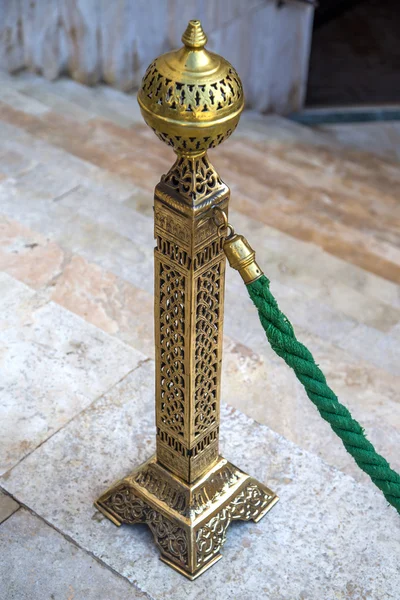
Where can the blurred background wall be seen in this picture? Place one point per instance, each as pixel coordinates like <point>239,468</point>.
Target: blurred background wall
<point>268,41</point>
<point>355,56</point>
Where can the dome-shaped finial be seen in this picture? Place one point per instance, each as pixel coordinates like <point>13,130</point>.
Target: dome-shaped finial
<point>190,97</point>
<point>194,36</point>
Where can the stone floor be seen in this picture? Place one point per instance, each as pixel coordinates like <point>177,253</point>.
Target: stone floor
<point>77,169</point>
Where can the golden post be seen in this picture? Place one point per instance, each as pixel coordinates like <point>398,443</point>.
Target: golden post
<point>187,493</point>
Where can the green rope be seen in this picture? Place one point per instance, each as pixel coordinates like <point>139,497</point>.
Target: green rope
<point>281,336</point>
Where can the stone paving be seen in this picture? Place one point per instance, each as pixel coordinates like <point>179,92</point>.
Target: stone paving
<point>77,169</point>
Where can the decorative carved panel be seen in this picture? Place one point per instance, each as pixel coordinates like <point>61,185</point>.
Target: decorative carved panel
<point>208,290</point>
<point>189,281</point>
<point>130,509</point>
<point>172,348</point>
<point>193,178</point>
<point>249,504</point>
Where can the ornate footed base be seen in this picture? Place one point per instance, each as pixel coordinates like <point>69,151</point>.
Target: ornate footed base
<point>188,521</point>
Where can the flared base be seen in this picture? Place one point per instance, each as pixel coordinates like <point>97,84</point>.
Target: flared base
<point>189,521</point>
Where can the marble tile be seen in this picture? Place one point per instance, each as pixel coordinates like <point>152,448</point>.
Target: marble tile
<point>15,82</point>
<point>108,302</point>
<point>262,386</point>
<point>28,256</point>
<point>343,287</point>
<point>372,312</point>
<point>96,238</point>
<point>353,175</point>
<point>118,217</point>
<point>97,101</point>
<point>262,129</point>
<point>98,242</point>
<point>43,91</point>
<point>139,200</point>
<point>98,296</point>
<point>39,563</point>
<point>18,301</point>
<point>21,102</point>
<point>134,154</point>
<point>395,331</point>
<point>323,516</point>
<point>319,195</point>
<point>51,182</point>
<point>314,192</point>
<point>372,345</point>
<point>380,138</point>
<point>125,105</point>
<point>110,250</point>
<point>286,258</point>
<point>76,101</point>
<point>367,283</point>
<point>76,230</point>
<point>8,506</point>
<point>309,315</point>
<point>53,159</point>
<point>13,163</point>
<point>53,365</point>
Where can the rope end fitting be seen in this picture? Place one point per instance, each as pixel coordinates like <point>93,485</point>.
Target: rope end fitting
<point>238,251</point>
<point>241,257</point>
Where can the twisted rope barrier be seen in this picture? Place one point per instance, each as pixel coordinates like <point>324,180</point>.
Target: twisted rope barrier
<point>281,336</point>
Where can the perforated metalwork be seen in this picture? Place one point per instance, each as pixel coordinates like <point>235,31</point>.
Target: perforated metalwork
<point>193,178</point>
<point>206,350</point>
<point>178,99</point>
<point>172,348</point>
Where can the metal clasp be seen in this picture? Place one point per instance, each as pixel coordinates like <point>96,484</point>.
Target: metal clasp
<point>239,253</point>
<point>224,228</point>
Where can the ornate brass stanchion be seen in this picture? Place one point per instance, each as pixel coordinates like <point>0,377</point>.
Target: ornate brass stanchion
<point>188,494</point>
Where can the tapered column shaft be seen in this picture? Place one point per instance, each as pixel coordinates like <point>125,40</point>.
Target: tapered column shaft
<point>189,302</point>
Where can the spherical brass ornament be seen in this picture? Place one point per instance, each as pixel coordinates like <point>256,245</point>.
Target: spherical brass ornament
<point>191,98</point>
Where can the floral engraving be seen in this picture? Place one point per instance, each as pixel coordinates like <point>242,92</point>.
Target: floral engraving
<point>193,178</point>
<point>171,539</point>
<point>247,505</point>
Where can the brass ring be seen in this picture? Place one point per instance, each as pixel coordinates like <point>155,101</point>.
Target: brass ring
<point>225,230</point>
<point>223,215</point>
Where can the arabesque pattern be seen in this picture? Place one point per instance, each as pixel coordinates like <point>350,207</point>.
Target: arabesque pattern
<point>193,178</point>
<point>181,98</point>
<point>248,504</point>
<point>129,508</point>
<point>206,350</point>
<point>172,348</point>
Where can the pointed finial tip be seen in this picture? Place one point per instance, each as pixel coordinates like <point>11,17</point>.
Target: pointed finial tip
<point>194,36</point>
